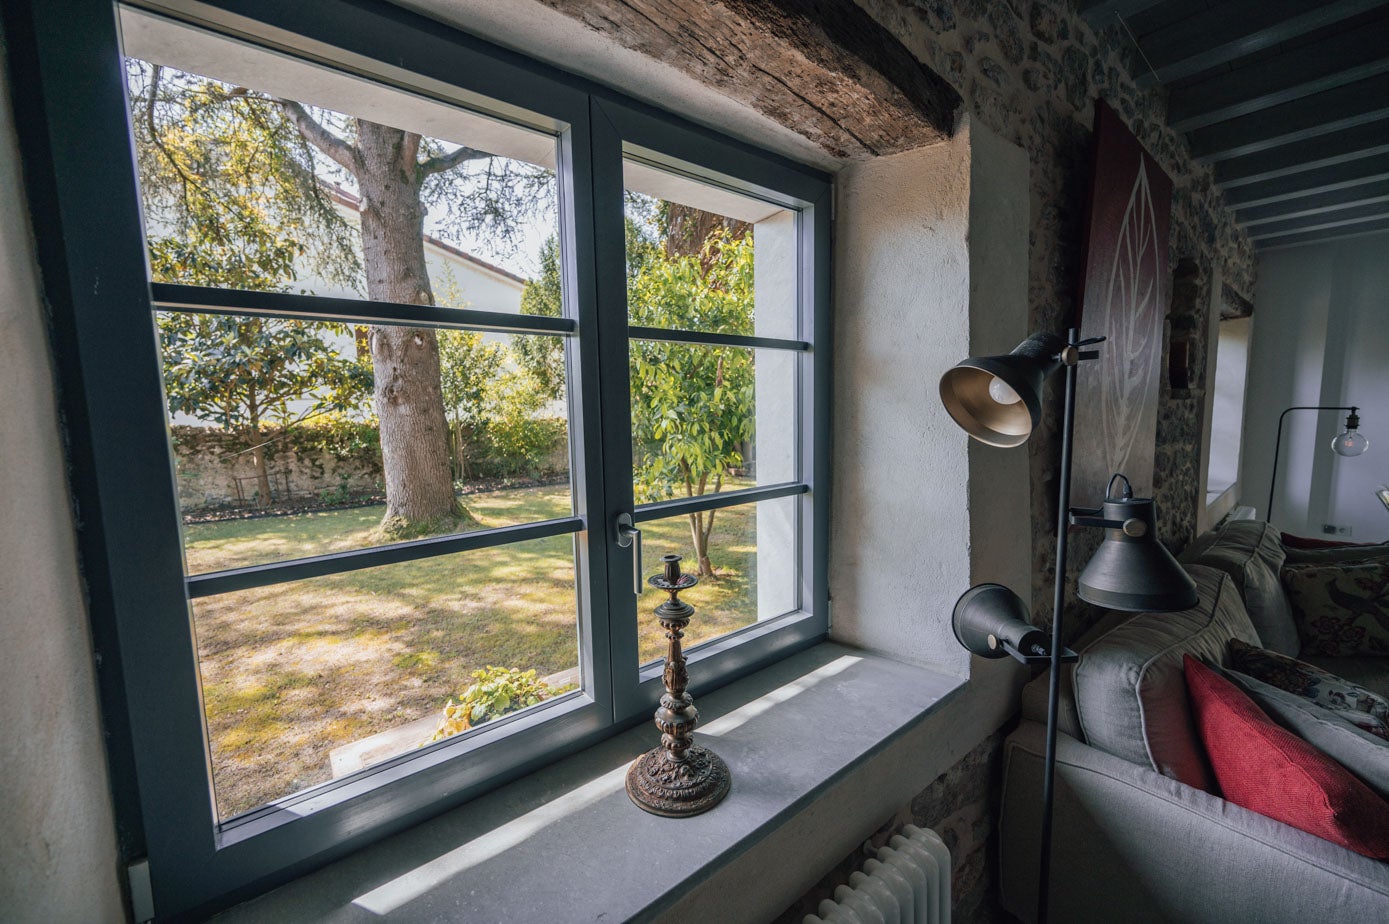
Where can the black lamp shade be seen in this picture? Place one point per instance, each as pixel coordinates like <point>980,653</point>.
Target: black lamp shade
<point>965,390</point>
<point>1131,570</point>
<point>988,615</point>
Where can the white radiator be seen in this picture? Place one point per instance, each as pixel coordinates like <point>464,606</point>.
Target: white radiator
<point>908,883</point>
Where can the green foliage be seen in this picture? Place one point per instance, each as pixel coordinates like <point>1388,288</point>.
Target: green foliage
<point>243,372</point>
<point>692,405</point>
<point>543,357</point>
<point>494,692</point>
<point>229,187</point>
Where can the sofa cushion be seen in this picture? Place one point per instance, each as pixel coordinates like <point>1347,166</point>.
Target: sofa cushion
<point>1329,731</point>
<point>1251,552</point>
<point>1340,609</point>
<point>1378,551</point>
<point>1129,691</point>
<point>1368,671</point>
<point>1267,769</point>
<point>1364,707</point>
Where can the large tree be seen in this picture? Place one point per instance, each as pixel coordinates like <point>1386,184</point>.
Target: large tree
<point>399,175</point>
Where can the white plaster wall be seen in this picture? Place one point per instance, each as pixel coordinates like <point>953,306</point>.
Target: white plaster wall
<point>1319,339</point>
<point>58,856</point>
<point>930,262</point>
<point>1227,402</point>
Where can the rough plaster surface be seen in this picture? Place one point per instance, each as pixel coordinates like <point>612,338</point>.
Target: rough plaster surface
<point>897,559</point>
<point>57,841</point>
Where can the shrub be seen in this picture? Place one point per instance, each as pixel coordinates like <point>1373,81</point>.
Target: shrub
<point>495,692</point>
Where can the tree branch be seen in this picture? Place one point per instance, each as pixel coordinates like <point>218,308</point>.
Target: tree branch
<point>441,162</point>
<point>344,154</point>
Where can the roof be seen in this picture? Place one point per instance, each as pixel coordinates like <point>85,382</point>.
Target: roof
<point>354,202</point>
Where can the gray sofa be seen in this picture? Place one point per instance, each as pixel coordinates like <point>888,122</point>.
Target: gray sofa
<point>1135,838</point>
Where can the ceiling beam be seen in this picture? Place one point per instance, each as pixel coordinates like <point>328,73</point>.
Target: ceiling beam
<point>823,68</point>
<point>1324,235</point>
<point>1307,182</point>
<point>1098,12</point>
<point>1320,114</point>
<point>1226,31</point>
<point>1353,216</point>
<point>1337,60</point>
<point>1316,204</point>
<point>1321,151</point>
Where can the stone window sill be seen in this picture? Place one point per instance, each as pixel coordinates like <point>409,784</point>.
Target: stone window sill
<point>566,843</point>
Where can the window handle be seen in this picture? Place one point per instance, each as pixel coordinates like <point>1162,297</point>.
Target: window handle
<point>629,536</point>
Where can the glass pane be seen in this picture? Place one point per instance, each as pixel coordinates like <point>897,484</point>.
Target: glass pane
<point>707,419</point>
<point>705,259</point>
<point>308,681</point>
<point>260,171</point>
<point>751,560</point>
<point>277,439</point>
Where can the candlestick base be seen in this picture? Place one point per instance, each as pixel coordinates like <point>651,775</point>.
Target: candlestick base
<point>662,785</point>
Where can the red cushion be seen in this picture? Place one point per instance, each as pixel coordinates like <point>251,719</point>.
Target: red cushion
<point>1267,769</point>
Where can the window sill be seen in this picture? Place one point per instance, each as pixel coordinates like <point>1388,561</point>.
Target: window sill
<point>566,843</point>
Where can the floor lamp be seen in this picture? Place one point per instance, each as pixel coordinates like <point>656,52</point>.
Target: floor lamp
<point>998,401</point>
<point>1349,442</point>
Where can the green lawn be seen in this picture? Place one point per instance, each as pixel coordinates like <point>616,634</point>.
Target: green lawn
<point>292,671</point>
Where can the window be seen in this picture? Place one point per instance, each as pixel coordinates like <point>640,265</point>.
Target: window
<point>363,361</point>
<point>1227,409</point>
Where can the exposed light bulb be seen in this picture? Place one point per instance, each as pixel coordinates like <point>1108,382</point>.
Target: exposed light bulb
<point>1000,391</point>
<point>1350,443</point>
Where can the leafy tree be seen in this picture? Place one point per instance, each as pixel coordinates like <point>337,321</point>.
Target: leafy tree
<point>467,364</point>
<point>692,405</point>
<point>204,190</point>
<point>241,373</point>
<point>280,156</point>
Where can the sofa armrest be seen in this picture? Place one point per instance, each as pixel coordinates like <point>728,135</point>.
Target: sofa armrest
<point>1130,844</point>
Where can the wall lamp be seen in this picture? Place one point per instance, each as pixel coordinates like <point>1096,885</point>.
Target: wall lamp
<point>1349,442</point>
<point>998,400</point>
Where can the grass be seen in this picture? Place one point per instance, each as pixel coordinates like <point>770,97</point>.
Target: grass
<point>292,671</point>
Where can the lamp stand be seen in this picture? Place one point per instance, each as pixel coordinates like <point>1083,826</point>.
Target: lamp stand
<point>1063,516</point>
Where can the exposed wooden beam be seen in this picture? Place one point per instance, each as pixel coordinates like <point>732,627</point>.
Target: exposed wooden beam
<point>823,68</point>
<point>1323,235</point>
<point>1098,12</point>
<point>1322,151</point>
<point>1226,31</point>
<point>1317,204</point>
<point>1353,216</point>
<point>1322,114</point>
<point>1340,59</point>
<point>1309,182</point>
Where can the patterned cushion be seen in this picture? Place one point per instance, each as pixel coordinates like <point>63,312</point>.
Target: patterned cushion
<point>1340,609</point>
<point>1251,553</point>
<point>1367,710</point>
<point>1326,730</point>
<point>1335,554</point>
<point>1267,769</point>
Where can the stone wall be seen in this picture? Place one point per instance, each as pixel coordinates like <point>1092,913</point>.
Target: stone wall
<point>961,805</point>
<point>1030,70</point>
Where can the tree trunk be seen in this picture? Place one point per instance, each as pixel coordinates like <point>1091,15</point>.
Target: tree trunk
<point>409,402</point>
<point>699,537</point>
<point>262,475</point>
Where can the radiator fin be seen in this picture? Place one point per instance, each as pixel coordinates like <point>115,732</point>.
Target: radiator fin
<point>908,882</point>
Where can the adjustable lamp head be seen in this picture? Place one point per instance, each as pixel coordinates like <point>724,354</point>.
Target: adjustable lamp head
<point>1132,570</point>
<point>998,399</point>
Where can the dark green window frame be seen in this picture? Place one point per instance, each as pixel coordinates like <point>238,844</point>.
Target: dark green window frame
<point>67,78</point>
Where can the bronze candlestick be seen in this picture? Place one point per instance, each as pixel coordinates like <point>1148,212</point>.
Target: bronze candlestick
<point>678,778</point>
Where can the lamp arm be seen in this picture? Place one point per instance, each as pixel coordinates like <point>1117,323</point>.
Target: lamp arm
<point>1278,445</point>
